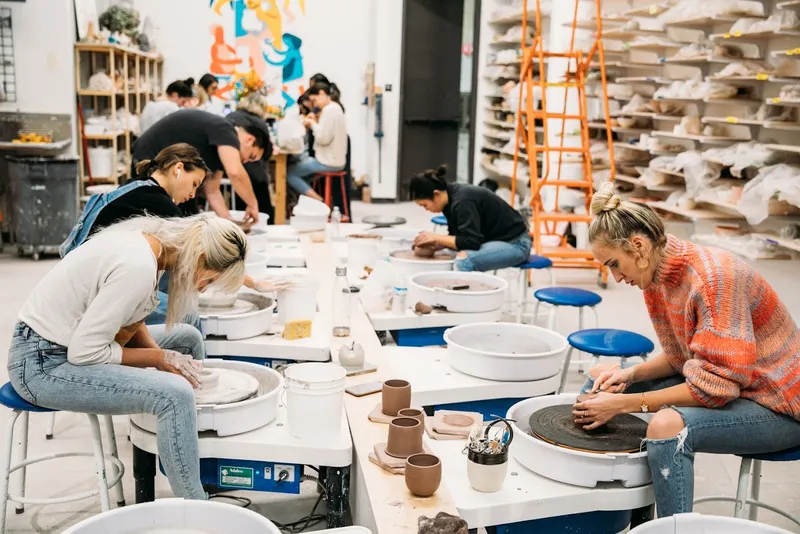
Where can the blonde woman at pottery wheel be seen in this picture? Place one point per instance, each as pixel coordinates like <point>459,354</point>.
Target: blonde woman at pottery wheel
<point>727,379</point>
<point>81,345</point>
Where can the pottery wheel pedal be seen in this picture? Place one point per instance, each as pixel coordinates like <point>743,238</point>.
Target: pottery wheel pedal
<point>555,425</point>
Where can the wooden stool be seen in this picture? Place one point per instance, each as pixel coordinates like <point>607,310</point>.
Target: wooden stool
<point>328,196</point>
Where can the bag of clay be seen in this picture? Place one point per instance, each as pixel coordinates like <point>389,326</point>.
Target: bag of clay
<point>777,182</point>
<point>376,295</point>
<point>291,134</point>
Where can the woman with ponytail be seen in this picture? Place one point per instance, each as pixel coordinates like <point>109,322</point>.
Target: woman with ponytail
<point>80,343</point>
<point>485,230</point>
<point>726,381</point>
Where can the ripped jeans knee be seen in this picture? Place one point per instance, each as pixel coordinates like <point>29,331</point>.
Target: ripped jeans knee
<point>672,466</point>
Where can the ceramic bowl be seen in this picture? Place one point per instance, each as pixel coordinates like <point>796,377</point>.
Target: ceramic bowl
<point>423,474</point>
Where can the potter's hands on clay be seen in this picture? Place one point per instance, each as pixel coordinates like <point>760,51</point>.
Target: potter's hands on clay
<point>426,239</point>
<point>270,285</point>
<point>598,409</point>
<point>182,364</point>
<point>611,379</point>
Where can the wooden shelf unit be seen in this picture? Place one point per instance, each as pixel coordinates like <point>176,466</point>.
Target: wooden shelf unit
<point>142,81</point>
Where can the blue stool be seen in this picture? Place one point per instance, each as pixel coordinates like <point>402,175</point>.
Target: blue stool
<point>534,263</point>
<point>439,220</point>
<point>742,502</point>
<point>606,342</point>
<point>567,296</point>
<point>20,407</point>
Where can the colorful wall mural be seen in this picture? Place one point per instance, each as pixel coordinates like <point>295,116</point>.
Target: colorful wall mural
<point>253,43</point>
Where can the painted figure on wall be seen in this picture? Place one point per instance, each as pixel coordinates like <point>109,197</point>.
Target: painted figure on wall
<point>259,44</point>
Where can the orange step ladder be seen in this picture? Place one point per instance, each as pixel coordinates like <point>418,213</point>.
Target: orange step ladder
<point>546,223</point>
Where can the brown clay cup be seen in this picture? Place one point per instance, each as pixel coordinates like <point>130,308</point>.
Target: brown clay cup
<point>405,437</point>
<point>395,396</point>
<point>423,474</point>
<point>413,413</point>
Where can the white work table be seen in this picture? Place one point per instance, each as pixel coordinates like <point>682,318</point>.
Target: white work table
<point>526,496</point>
<point>433,381</point>
<point>270,443</point>
<point>388,320</point>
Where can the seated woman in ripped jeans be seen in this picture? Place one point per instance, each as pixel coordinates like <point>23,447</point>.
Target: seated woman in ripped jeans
<point>727,379</point>
<point>81,345</point>
<point>485,230</point>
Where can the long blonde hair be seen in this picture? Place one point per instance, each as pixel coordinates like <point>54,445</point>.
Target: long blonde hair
<point>617,220</point>
<point>202,241</point>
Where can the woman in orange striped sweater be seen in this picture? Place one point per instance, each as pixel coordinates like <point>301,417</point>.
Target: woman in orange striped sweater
<point>728,379</point>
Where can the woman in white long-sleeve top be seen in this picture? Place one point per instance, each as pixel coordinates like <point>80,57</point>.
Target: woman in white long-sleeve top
<point>330,141</point>
<point>81,345</point>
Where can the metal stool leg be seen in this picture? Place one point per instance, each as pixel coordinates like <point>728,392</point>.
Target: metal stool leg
<point>112,446</point>
<point>342,181</point>
<point>755,489</point>
<point>51,423</point>
<point>551,321</point>
<point>328,192</point>
<point>552,277</point>
<point>564,371</point>
<point>741,489</point>
<point>8,444</point>
<point>99,462</point>
<point>522,297</point>
<point>535,317</point>
<point>20,455</point>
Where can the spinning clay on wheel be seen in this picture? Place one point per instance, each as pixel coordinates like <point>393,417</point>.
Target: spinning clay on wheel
<point>555,424</point>
<point>424,252</point>
<point>223,386</point>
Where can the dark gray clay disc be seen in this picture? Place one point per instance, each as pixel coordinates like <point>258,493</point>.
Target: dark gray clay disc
<point>555,424</point>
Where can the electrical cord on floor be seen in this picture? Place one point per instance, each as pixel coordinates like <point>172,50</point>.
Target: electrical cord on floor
<point>244,502</point>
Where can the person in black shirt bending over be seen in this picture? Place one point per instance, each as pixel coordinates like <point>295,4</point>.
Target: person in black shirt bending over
<point>222,144</point>
<point>485,230</point>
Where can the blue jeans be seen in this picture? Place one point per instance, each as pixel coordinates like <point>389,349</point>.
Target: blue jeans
<point>740,427</point>
<point>496,255</point>
<point>297,172</point>
<point>41,374</point>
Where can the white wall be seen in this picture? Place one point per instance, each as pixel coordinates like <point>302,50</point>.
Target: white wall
<point>44,35</point>
<point>340,38</point>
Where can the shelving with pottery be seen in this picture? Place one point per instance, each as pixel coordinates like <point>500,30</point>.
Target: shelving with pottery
<point>733,118</point>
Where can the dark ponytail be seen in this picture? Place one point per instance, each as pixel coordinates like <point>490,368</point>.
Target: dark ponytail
<point>425,184</point>
<point>329,89</point>
<point>177,153</point>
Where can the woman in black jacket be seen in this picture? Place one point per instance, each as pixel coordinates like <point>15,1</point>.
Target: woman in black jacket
<point>485,230</point>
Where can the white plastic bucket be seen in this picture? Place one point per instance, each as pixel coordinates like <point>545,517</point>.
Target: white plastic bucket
<point>706,524</point>
<point>299,301</point>
<point>176,515</point>
<point>315,399</point>
<point>362,251</point>
<point>102,161</point>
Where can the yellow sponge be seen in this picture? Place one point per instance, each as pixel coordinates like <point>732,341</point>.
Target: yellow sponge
<point>298,329</point>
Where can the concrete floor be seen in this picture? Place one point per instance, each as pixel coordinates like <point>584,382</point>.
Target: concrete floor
<point>622,307</point>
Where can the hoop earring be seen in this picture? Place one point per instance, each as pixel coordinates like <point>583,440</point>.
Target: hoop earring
<point>646,263</point>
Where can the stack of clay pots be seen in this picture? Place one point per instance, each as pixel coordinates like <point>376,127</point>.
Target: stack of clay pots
<point>423,472</point>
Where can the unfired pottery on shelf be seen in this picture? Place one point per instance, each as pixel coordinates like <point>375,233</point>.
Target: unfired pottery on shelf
<point>423,474</point>
<point>405,437</point>
<point>414,413</point>
<point>395,396</point>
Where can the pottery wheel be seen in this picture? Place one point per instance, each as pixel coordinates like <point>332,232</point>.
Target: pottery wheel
<point>410,255</point>
<point>554,424</point>
<point>239,307</point>
<point>228,386</point>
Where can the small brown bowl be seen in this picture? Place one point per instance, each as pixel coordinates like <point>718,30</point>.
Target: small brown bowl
<point>413,413</point>
<point>423,474</point>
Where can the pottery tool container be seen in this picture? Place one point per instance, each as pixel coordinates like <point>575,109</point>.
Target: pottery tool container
<point>487,459</point>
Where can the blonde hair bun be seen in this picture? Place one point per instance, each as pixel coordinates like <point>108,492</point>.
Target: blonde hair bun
<point>605,199</point>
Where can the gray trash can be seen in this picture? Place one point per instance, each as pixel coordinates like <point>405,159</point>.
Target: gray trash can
<point>44,202</point>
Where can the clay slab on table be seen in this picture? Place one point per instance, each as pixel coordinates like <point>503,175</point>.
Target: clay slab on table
<point>456,423</point>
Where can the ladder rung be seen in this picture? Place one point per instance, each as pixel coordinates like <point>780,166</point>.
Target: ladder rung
<point>575,149</point>
<point>561,84</point>
<point>565,183</point>
<point>563,217</point>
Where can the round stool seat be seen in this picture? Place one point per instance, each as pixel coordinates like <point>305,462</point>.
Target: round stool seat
<point>536,262</point>
<point>439,220</point>
<point>11,399</point>
<point>568,296</point>
<point>610,342</point>
<point>789,455</point>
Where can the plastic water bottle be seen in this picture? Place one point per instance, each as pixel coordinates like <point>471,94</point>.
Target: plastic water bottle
<point>341,307</point>
<point>336,219</point>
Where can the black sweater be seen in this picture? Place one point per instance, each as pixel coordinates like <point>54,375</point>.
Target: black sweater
<point>476,216</point>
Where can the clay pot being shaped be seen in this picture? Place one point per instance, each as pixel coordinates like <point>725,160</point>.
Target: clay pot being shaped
<point>405,437</point>
<point>395,396</point>
<point>423,474</point>
<point>413,413</point>
<point>424,252</point>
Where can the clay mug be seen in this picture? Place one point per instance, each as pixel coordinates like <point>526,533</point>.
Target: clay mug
<point>405,437</point>
<point>413,413</point>
<point>423,474</point>
<point>395,396</point>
